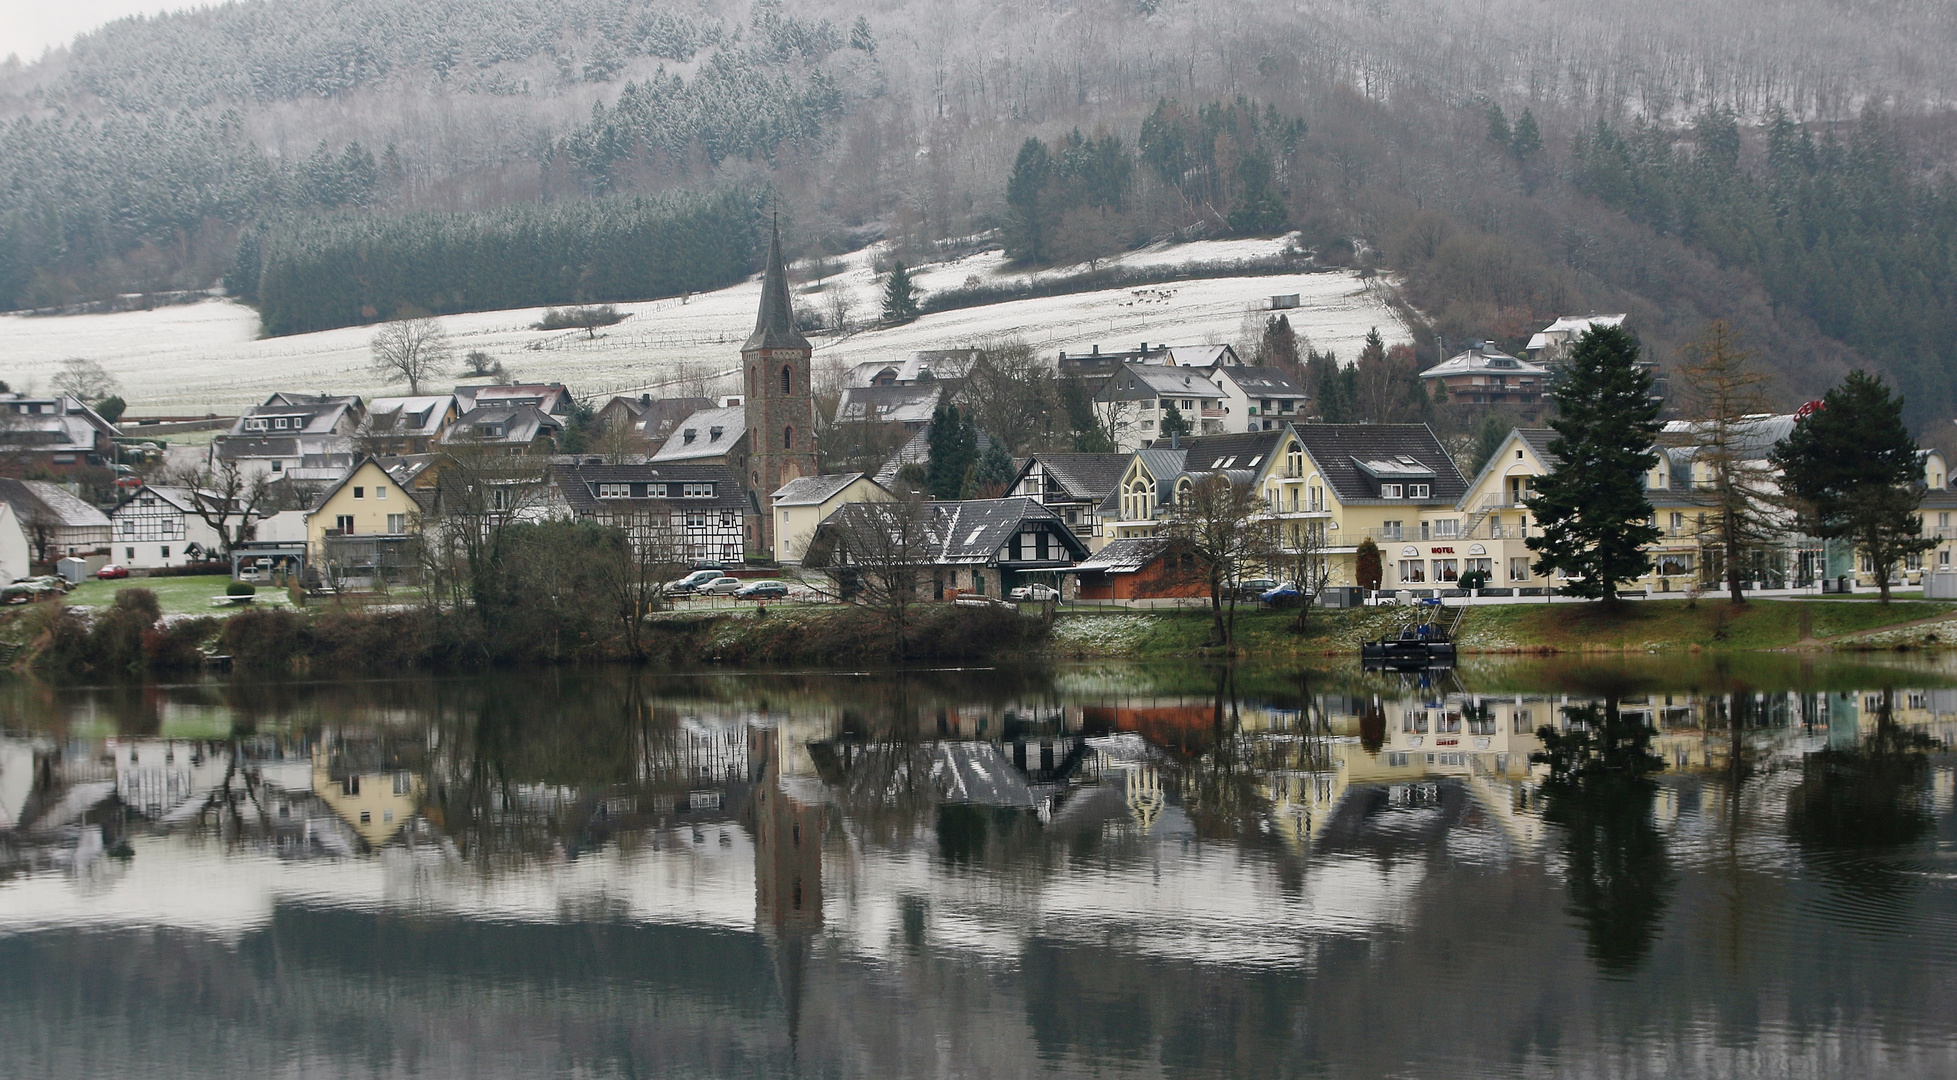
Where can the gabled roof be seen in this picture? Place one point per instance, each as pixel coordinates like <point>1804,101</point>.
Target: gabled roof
<point>552,398</point>
<point>971,531</point>
<point>1084,476</point>
<point>1161,462</point>
<point>34,500</point>
<point>1173,382</point>
<point>731,423</point>
<point>1338,448</point>
<point>61,423</point>
<point>320,414</point>
<point>334,488</point>
<point>1753,436</point>
<point>407,416</point>
<point>926,365</point>
<point>1537,441</point>
<point>1243,450</point>
<point>1261,382</point>
<point>521,424</point>
<point>1569,328</point>
<point>1203,356</point>
<point>912,404</point>
<point>774,324</point>
<point>814,490</point>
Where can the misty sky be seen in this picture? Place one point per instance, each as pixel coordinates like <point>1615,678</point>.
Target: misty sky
<point>29,26</point>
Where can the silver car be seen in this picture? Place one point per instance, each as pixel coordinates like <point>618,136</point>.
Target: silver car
<point>720,586</point>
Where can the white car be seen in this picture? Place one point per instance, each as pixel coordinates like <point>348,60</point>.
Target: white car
<point>1035,593</point>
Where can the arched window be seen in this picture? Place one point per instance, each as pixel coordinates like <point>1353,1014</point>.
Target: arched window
<point>787,380</point>
<point>788,438</point>
<point>751,388</point>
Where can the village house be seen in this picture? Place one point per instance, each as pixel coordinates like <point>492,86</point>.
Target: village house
<point>1152,478</point>
<point>692,512</point>
<point>1143,567</point>
<point>1074,486</point>
<point>293,437</point>
<point>1551,345</point>
<point>925,366</point>
<point>156,526</point>
<point>1257,398</point>
<point>53,435</point>
<point>406,425</point>
<point>552,398</point>
<point>1134,401</point>
<point>716,436</point>
<point>982,546</point>
<point>363,527</point>
<point>803,503</point>
<point>1485,375</point>
<point>56,522</point>
<point>1097,364</point>
<point>910,405</point>
<point>16,554</point>
<point>1333,485</point>
<point>514,429</point>
<point>648,419</point>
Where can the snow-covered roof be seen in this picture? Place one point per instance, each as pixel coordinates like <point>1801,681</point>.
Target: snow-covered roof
<point>1483,359</point>
<point>1125,556</point>
<point>707,433</point>
<point>1569,328</point>
<point>922,366</point>
<point>813,490</point>
<point>1174,382</point>
<point>409,416</point>
<point>911,404</point>
<point>37,499</point>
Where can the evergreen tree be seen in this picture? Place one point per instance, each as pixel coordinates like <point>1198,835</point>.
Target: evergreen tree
<point>1527,138</point>
<point>994,471</point>
<point>1367,566</point>
<point>1498,128</point>
<point>1173,422</point>
<point>1279,346</point>
<point>1259,210</point>
<point>1853,469</point>
<point>1026,226</point>
<point>899,295</point>
<point>1335,389</point>
<point>953,445</point>
<point>1594,516</point>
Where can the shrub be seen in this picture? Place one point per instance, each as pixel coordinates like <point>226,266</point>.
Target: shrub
<point>177,646</point>
<point>241,588</point>
<point>264,639</point>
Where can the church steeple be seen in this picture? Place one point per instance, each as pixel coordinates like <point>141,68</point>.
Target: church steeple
<point>774,326</point>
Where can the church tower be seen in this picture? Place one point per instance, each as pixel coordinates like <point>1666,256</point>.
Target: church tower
<point>780,402</point>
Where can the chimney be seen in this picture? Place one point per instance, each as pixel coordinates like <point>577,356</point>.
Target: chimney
<point>1097,350</point>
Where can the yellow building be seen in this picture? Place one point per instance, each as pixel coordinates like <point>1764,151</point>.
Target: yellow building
<point>364,502</point>
<point>376,805</point>
<point>802,504</point>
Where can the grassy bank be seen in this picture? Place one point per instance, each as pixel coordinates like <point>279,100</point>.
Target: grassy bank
<point>1639,626</point>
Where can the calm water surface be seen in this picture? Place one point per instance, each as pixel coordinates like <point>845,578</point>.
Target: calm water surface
<point>1076,871</point>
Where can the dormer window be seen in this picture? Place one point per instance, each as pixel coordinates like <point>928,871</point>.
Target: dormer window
<point>279,423</point>
<point>687,436</point>
<point>1389,491</point>
<point>714,433</point>
<point>614,491</point>
<point>1418,491</point>
<point>696,491</point>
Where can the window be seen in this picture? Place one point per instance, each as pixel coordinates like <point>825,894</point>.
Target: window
<point>380,492</point>
<point>403,783</point>
<point>166,551</point>
<point>787,380</point>
<point>279,423</point>
<point>1482,723</point>
<point>1448,723</point>
<point>1525,723</point>
<point>727,519</point>
<point>788,438</point>
<point>1446,570</point>
<point>614,491</point>
<point>129,555</point>
<point>1484,566</point>
<point>344,523</point>
<point>1389,491</point>
<point>360,493</point>
<point>696,519</point>
<point>696,491</point>
<point>1447,529</point>
<point>1390,530</point>
<point>1412,570</point>
<point>278,466</point>
<point>1519,568</point>
<point>397,523</point>
<point>1414,722</point>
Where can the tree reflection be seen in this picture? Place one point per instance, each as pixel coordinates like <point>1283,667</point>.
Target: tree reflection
<point>1856,802</point>
<point>1600,793</point>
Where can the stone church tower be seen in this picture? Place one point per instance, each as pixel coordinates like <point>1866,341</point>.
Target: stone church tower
<point>780,402</point>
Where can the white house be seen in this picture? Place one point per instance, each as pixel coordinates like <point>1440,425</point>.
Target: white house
<point>16,554</point>
<point>159,526</point>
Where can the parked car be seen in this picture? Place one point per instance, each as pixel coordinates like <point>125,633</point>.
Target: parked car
<point>112,572</point>
<point>1252,588</point>
<point>719,586</point>
<point>1285,595</point>
<point>1035,593</point>
<point>762,590</point>
<point>691,582</point>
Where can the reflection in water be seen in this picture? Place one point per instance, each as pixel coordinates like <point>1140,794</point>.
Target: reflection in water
<point>1171,872</point>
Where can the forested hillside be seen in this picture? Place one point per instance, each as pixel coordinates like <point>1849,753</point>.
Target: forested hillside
<point>1779,163</point>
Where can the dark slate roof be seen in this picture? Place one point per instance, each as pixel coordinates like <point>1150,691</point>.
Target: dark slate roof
<point>1538,439</point>
<point>1338,448</point>
<point>973,530</point>
<point>1262,381</point>
<point>1085,476</point>
<point>774,325</point>
<point>575,482</point>
<point>1241,450</point>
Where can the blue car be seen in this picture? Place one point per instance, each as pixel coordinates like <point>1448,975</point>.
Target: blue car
<point>1283,594</point>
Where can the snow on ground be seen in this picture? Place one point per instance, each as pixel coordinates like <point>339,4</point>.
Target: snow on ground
<point>206,357</point>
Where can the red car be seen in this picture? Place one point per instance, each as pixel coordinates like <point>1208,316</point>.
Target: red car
<point>112,571</point>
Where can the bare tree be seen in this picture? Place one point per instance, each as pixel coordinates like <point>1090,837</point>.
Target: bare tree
<point>413,350</point>
<point>632,576</point>
<point>1012,396</point>
<point>85,380</point>
<point>878,552</point>
<point>480,492</point>
<point>839,303</point>
<point>224,496</point>
<point>1725,395</point>
<point>1214,521</point>
<point>1296,552</point>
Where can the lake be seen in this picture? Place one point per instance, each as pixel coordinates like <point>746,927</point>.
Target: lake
<point>1077,870</point>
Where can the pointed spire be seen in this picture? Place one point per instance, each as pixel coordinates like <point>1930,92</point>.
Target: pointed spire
<point>774,326</point>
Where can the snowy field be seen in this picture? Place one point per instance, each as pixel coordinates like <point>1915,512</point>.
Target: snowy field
<point>207,357</point>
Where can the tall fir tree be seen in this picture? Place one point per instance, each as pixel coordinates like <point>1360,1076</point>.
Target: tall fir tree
<point>1853,470</point>
<point>953,445</point>
<point>899,295</point>
<point>1594,516</point>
